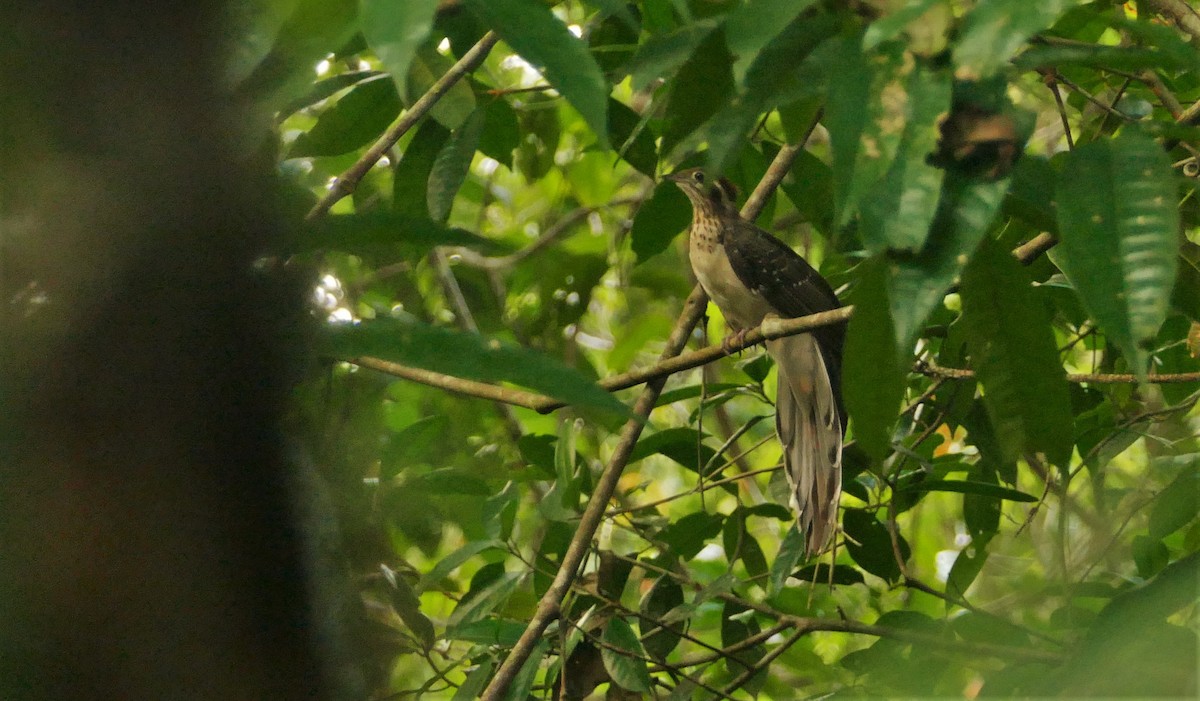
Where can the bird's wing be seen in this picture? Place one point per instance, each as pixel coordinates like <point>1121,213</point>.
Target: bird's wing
<point>791,286</point>
<point>809,423</point>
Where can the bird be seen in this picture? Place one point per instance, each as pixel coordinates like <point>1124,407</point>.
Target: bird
<point>752,276</point>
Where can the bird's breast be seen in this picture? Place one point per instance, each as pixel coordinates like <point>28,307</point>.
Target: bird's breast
<point>742,307</point>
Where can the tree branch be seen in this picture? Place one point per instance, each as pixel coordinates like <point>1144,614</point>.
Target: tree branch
<point>931,370</point>
<point>348,181</point>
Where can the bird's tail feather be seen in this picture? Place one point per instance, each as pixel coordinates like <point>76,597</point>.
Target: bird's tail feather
<point>810,429</point>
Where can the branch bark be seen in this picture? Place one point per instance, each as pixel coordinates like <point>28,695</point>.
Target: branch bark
<point>348,181</point>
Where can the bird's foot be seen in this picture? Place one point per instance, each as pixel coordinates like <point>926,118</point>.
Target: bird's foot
<point>736,338</point>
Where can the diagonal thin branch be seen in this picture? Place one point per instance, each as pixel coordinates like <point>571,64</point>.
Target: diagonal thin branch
<point>348,181</point>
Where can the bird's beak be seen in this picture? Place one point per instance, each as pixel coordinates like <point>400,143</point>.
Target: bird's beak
<point>675,177</point>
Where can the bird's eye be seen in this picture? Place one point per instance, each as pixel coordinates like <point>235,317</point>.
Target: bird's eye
<point>698,176</point>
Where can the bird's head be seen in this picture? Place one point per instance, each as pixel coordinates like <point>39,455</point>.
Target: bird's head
<point>716,195</point>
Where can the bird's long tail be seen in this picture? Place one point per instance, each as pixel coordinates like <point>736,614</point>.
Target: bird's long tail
<point>810,429</point>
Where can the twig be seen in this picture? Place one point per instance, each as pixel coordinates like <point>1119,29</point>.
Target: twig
<point>1096,378</point>
<point>1050,77</point>
<point>767,659</point>
<point>348,181</point>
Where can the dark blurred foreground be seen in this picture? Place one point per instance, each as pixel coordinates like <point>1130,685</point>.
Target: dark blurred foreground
<point>148,549</point>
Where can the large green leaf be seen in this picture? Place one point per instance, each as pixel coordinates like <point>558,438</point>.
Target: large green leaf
<point>1013,349</point>
<point>384,232</point>
<point>355,120</point>
<point>664,595</point>
<point>624,657</point>
<point>898,209</point>
<point>1119,226</point>
<point>918,283</point>
<point>872,374</point>
<point>467,355</point>
<point>773,77</point>
<point>662,55</point>
<point>451,166</point>
<point>698,90</point>
<point>452,108</point>
<point>394,29</point>
<point>658,221</point>
<point>995,30</point>
<point>532,30</point>
<point>410,177</point>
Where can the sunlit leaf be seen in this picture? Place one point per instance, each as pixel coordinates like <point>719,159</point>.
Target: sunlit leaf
<point>465,355</point>
<point>355,120</point>
<point>1119,227</point>
<point>872,374</point>
<point>624,657</point>
<point>1013,349</point>
<point>994,31</point>
<point>533,31</point>
<point>394,29</point>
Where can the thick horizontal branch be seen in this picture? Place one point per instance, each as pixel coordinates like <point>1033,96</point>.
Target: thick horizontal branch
<point>771,329</point>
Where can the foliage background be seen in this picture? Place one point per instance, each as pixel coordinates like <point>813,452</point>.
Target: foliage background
<point>491,214</point>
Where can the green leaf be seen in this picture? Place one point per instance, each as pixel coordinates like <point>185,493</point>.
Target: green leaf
<point>355,120</point>
<point>413,443</point>
<point>313,30</point>
<point>1015,356</point>
<point>819,573</point>
<point>532,30</point>
<point>452,562</point>
<point>698,90</point>
<point>451,109</point>
<point>917,284</point>
<point>394,29</point>
<point>981,513</point>
<point>624,657</point>
<point>448,480</point>
<point>664,596</point>
<point>658,221</point>
<point>898,208</point>
<point>501,134</point>
<point>1119,225</point>
<point>1177,504</point>
<point>540,133</point>
<point>752,25</point>
<point>994,31</point>
<point>663,54</point>
<point>741,545</point>
<point>325,89</point>
<point>1126,58</point>
<point>683,445</point>
<point>383,232</point>
<point>489,631</point>
<point>872,374</point>
<point>687,536</point>
<point>406,604</point>
<point>566,464</point>
<point>476,680</point>
<point>410,178</point>
<point>791,551</point>
<point>467,355</point>
<point>522,683</point>
<point>737,624</point>
<point>451,166</point>
<point>868,542</point>
<point>484,601</point>
<point>773,78</point>
<point>983,489</point>
<point>633,141</point>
